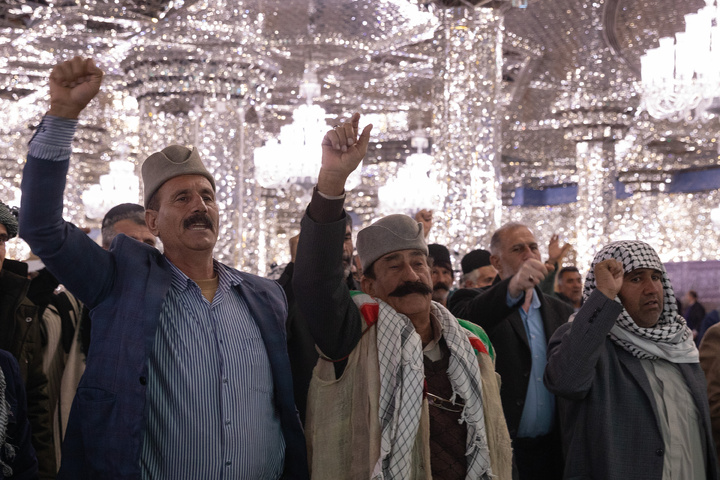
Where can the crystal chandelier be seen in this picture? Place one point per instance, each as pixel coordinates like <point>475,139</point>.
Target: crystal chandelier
<point>681,77</point>
<point>121,185</point>
<point>412,189</point>
<point>295,156</point>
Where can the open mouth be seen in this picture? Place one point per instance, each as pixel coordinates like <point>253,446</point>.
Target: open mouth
<point>198,222</point>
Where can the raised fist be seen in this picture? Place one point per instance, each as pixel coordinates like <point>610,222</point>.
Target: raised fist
<point>72,85</point>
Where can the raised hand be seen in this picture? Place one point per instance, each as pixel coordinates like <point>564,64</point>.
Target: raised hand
<point>424,217</point>
<point>609,277</point>
<point>530,274</point>
<point>342,152</point>
<point>555,252</point>
<point>72,85</point>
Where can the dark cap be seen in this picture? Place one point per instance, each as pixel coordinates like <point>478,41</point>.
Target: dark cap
<point>474,260</point>
<point>440,255</point>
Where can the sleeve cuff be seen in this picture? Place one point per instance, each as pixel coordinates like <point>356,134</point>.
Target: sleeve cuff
<point>325,208</point>
<point>510,301</point>
<point>53,138</point>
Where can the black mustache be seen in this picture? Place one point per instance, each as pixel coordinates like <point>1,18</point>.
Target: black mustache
<point>201,218</point>
<point>441,286</point>
<point>411,287</point>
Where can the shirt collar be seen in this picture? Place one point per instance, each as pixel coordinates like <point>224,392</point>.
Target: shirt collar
<point>228,277</point>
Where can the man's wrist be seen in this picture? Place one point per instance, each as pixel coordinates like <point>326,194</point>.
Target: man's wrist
<point>64,111</point>
<point>331,184</point>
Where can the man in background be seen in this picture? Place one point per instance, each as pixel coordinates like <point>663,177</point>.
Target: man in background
<point>477,270</point>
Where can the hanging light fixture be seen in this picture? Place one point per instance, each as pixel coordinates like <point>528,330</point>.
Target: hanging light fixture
<point>120,185</point>
<point>681,77</point>
<point>412,189</point>
<point>295,156</point>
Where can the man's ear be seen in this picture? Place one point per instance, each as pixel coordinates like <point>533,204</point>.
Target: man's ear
<point>151,221</point>
<point>367,285</point>
<point>495,262</point>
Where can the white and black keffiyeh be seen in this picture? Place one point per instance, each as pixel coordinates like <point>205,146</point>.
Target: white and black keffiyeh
<point>402,377</point>
<point>670,338</point>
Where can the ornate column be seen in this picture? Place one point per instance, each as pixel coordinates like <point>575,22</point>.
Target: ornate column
<point>596,194</point>
<point>466,133</point>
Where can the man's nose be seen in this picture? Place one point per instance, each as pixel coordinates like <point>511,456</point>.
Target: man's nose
<point>198,204</point>
<point>409,274</point>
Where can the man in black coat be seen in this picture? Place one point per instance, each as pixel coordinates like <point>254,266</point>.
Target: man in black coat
<point>520,320</point>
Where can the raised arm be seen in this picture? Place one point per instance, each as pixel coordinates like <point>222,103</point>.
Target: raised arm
<point>575,347</point>
<point>318,280</point>
<point>80,264</point>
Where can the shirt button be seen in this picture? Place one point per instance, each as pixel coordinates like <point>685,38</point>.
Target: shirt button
<point>659,452</point>
<point>227,422</point>
<point>28,319</point>
<point>143,381</point>
<point>224,380</point>
<point>228,463</point>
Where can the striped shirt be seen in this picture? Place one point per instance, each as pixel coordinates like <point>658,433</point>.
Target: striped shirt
<point>210,397</point>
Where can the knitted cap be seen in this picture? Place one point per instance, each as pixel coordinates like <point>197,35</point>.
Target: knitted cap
<point>389,234</point>
<point>474,260</point>
<point>172,162</point>
<point>8,218</point>
<point>440,255</point>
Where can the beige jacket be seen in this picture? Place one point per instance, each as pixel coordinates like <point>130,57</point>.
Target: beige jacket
<point>343,429</point>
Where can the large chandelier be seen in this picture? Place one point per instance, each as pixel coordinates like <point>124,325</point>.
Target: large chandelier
<point>120,185</point>
<point>681,77</point>
<point>295,156</point>
<point>412,189</point>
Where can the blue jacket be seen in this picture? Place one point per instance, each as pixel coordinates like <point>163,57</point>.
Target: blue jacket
<point>125,289</point>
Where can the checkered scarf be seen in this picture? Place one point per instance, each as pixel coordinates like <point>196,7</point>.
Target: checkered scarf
<point>402,377</point>
<point>670,338</point>
<point>8,451</point>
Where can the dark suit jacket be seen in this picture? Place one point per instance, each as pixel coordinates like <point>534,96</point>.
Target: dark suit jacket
<point>488,308</point>
<point>125,289</point>
<point>17,431</point>
<point>607,409</point>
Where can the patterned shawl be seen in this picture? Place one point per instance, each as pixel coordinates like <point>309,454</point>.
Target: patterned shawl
<point>8,451</point>
<point>402,377</point>
<point>670,338</point>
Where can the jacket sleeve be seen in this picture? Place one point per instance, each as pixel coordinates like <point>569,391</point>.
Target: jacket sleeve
<point>320,289</point>
<point>74,258</point>
<point>710,363</point>
<point>487,308</point>
<point>40,414</point>
<point>575,348</point>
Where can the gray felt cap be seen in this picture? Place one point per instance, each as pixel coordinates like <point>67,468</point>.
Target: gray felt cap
<point>389,234</point>
<point>172,162</point>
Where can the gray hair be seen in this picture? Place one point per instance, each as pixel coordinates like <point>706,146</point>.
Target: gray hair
<point>124,211</point>
<point>470,277</point>
<point>496,240</point>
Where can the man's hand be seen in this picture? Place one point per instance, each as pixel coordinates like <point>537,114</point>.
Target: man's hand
<point>342,152</point>
<point>530,274</point>
<point>609,277</point>
<point>555,252</point>
<point>424,217</point>
<point>72,85</point>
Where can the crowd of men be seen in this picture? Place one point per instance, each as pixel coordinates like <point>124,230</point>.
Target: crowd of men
<point>178,366</point>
